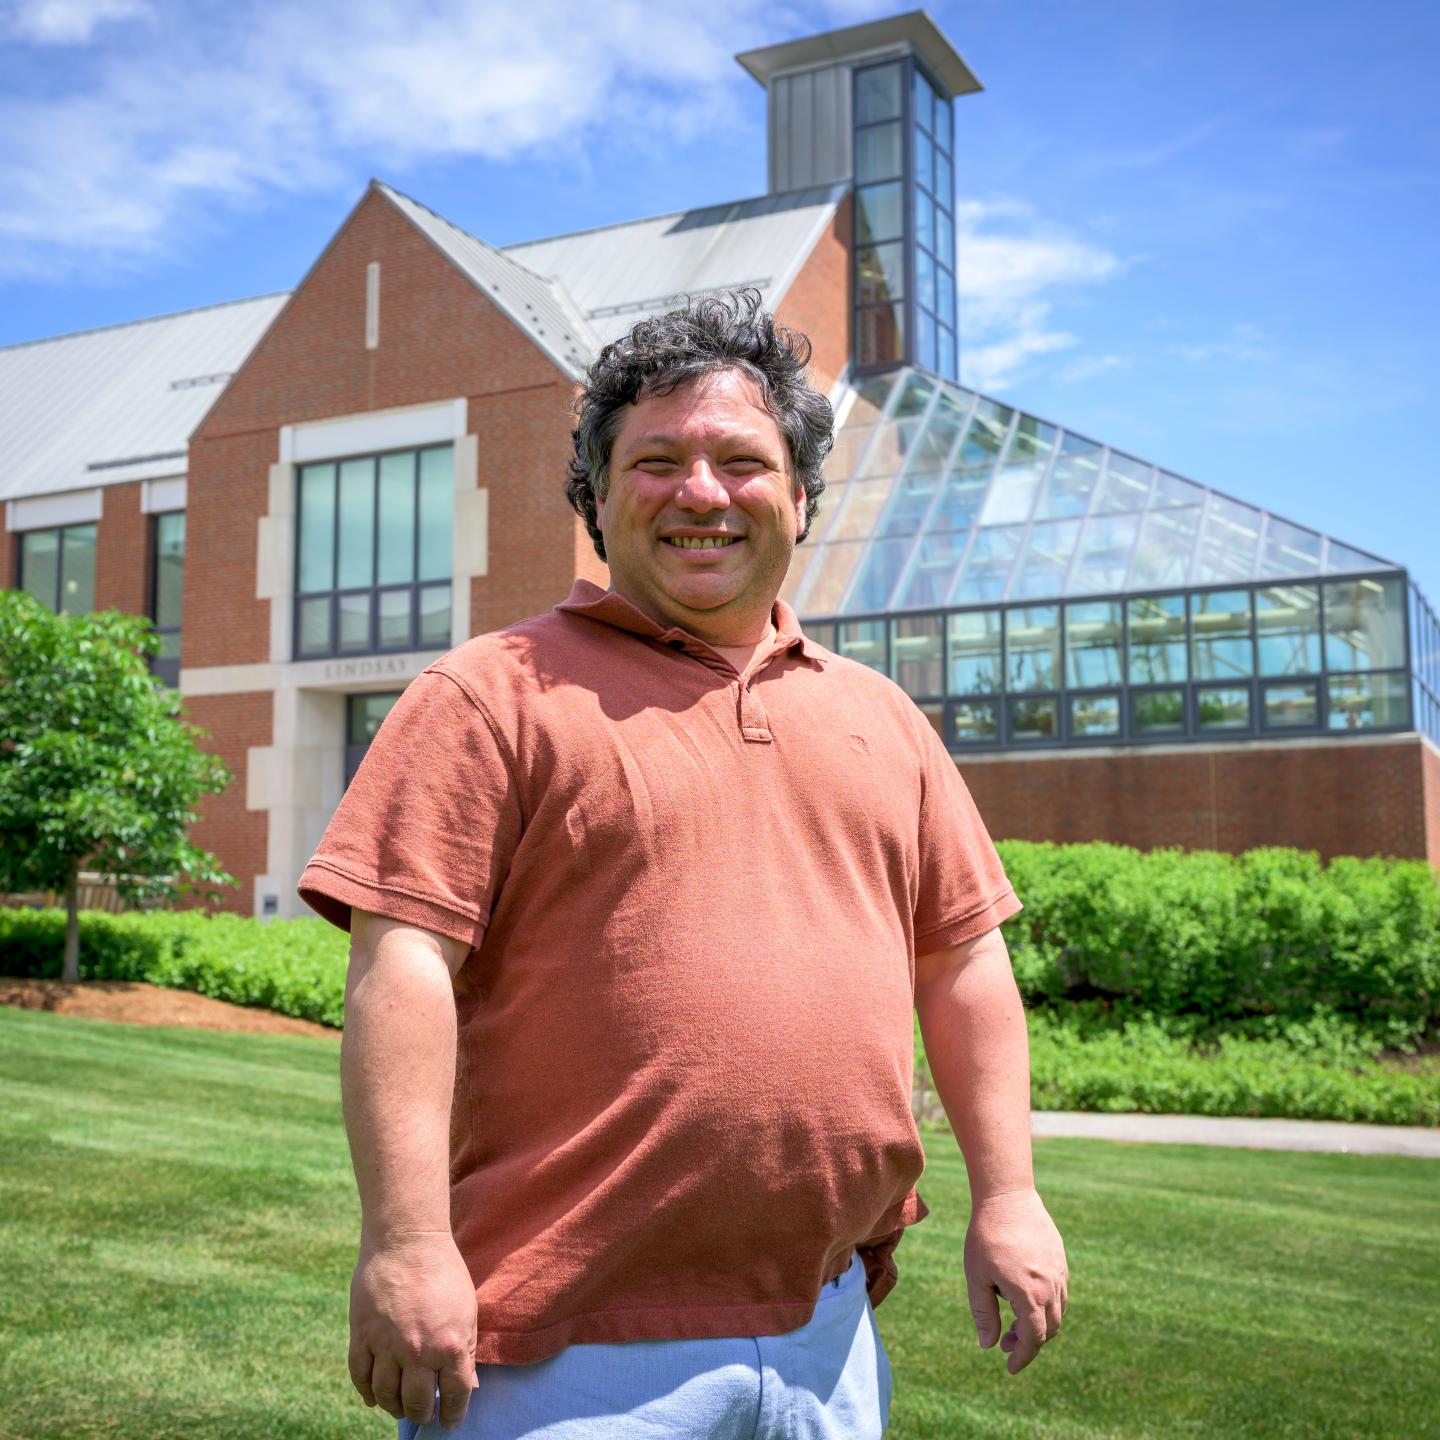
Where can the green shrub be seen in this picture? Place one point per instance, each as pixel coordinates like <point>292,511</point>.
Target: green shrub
<point>1258,943</point>
<point>1141,1066</point>
<point>295,967</point>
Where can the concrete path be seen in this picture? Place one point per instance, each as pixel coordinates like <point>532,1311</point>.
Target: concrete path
<point>1334,1136</point>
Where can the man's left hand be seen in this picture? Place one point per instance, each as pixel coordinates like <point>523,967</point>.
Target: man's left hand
<point>1014,1252</point>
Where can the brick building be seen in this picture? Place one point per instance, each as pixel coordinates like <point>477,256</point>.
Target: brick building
<point>316,494</point>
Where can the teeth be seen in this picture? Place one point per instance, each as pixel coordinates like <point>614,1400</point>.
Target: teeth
<point>702,542</point>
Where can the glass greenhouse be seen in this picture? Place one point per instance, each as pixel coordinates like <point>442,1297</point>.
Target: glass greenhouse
<point>1031,587</point>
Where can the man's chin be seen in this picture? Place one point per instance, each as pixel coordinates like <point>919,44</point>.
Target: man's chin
<point>701,599</point>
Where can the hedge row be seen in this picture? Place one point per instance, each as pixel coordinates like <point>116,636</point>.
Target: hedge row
<point>1142,1067</point>
<point>1212,943</point>
<point>295,967</point>
<point>1269,944</point>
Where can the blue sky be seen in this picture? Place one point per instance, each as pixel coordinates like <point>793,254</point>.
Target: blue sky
<point>1203,233</point>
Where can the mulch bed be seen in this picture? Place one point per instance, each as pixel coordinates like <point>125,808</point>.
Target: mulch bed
<point>134,1003</point>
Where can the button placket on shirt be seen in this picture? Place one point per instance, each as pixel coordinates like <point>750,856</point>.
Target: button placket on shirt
<point>754,722</point>
<point>750,713</point>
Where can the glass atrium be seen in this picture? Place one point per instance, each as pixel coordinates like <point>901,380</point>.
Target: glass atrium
<point>1032,588</point>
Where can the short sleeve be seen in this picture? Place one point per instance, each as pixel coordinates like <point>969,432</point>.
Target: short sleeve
<point>963,890</point>
<point>426,831</point>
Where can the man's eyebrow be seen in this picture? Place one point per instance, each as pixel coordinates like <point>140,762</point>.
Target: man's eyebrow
<point>670,442</point>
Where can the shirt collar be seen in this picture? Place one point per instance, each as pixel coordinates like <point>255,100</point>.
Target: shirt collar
<point>609,608</point>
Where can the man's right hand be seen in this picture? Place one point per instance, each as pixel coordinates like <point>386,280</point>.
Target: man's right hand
<point>412,1318</point>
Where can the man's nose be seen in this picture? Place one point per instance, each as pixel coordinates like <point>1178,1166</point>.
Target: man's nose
<point>701,489</point>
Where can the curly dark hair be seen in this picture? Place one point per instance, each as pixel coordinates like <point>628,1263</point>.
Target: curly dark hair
<point>729,331</point>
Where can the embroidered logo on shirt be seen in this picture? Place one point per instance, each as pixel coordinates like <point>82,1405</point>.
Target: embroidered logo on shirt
<point>859,742</point>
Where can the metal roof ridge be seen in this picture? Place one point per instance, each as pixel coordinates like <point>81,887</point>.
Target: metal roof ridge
<point>144,320</point>
<point>494,249</point>
<point>831,190</point>
<point>569,311</point>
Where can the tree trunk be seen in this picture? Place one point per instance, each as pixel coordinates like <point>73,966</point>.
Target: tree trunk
<point>71,970</point>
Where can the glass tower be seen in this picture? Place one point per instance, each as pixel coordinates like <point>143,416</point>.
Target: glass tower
<point>904,220</point>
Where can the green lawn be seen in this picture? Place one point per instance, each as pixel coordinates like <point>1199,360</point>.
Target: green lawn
<point>177,1222</point>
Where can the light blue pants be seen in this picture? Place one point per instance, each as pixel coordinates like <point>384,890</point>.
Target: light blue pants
<point>828,1380</point>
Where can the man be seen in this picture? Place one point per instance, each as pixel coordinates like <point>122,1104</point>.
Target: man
<point>641,894</point>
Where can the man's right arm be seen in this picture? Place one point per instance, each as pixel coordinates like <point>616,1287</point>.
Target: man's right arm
<point>412,1301</point>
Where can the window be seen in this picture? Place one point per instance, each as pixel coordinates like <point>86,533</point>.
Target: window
<point>974,722</point>
<point>1222,707</point>
<point>1364,625</point>
<point>880,214</point>
<point>57,567</point>
<point>1287,628</point>
<point>1213,664</point>
<point>933,169</point>
<point>1221,646</point>
<point>363,716</point>
<point>864,640</point>
<point>373,554</point>
<point>167,574</point>
<point>1157,712</point>
<point>915,654</point>
<point>1032,648</point>
<point>1367,702</point>
<point>1157,639</point>
<point>1033,721</point>
<point>1094,716</point>
<point>1290,707</point>
<point>975,652</point>
<point>904,289</point>
<point>1092,643</point>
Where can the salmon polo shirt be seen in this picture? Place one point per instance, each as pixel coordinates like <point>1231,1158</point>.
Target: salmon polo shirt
<point>694,900</point>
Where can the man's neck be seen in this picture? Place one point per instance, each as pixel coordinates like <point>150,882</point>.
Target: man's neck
<point>740,656</point>
<point>738,652</point>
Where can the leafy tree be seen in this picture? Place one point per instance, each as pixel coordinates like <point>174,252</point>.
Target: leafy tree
<point>97,768</point>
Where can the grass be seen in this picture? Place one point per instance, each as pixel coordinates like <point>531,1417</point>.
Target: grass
<point>177,1225</point>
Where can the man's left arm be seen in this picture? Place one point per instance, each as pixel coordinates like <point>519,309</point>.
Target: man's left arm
<point>973,1026</point>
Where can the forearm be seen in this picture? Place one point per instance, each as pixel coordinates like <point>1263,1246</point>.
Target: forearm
<point>973,1026</point>
<point>397,1078</point>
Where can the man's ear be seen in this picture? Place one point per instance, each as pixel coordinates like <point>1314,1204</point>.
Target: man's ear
<point>800,502</point>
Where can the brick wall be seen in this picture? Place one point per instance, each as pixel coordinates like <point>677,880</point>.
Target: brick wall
<point>1344,799</point>
<point>1430,779</point>
<point>440,337</point>
<point>9,557</point>
<point>122,551</point>
<point>222,621</point>
<point>524,446</point>
<point>226,828</point>
<point>818,300</point>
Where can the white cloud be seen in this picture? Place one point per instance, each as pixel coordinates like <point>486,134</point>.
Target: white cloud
<point>1244,343</point>
<point>139,149</point>
<point>1011,264</point>
<point>237,102</point>
<point>1087,367</point>
<point>65,22</point>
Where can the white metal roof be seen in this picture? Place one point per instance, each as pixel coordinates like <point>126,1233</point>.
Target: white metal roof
<point>620,272</point>
<point>102,406</point>
<point>538,306</point>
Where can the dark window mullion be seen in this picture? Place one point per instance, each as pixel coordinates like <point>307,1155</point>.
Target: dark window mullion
<point>375,555</point>
<point>60,548</point>
<point>907,185</point>
<point>415,553</point>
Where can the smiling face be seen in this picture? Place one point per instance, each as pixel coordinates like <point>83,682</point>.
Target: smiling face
<point>702,509</point>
